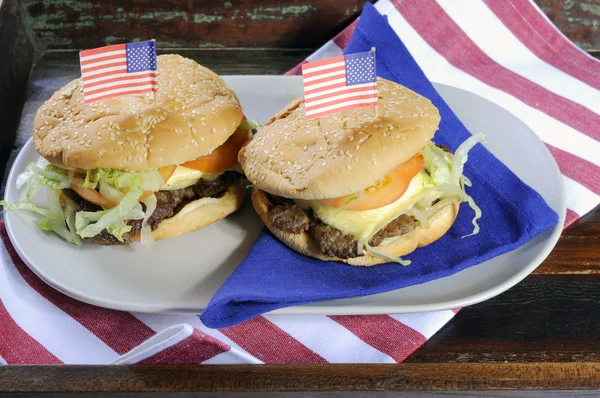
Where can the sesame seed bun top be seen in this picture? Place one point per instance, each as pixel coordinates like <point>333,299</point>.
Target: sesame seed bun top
<point>195,113</point>
<point>342,153</point>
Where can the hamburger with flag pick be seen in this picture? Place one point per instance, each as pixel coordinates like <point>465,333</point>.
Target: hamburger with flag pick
<point>337,180</point>
<point>140,148</point>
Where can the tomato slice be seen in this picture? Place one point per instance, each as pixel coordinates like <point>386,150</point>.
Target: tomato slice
<point>387,191</point>
<point>93,196</point>
<point>166,172</point>
<point>223,157</point>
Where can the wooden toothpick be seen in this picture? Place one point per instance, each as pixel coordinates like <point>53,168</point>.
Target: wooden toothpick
<point>376,105</point>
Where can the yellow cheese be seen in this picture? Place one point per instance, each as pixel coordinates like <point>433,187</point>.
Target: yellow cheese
<point>362,224</point>
<point>184,177</point>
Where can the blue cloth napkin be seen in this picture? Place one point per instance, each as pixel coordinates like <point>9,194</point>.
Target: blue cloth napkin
<point>273,276</point>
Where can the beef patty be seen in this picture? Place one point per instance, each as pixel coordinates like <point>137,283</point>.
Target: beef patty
<point>287,216</point>
<point>168,203</point>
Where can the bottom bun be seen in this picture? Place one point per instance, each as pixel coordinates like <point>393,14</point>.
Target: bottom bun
<point>202,212</point>
<point>194,215</point>
<point>397,246</point>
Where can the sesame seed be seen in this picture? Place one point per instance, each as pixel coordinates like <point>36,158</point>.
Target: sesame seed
<point>351,138</point>
<point>357,147</point>
<point>349,167</point>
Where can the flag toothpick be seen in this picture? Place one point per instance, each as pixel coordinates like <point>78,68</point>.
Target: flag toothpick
<point>375,67</point>
<point>340,83</point>
<point>119,69</point>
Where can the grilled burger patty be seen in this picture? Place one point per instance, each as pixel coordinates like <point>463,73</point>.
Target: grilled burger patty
<point>168,203</point>
<point>286,215</point>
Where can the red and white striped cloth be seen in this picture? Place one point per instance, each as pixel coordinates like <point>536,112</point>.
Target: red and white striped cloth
<point>506,51</point>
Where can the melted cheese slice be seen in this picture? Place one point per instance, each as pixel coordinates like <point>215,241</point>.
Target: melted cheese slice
<point>363,224</point>
<point>184,177</point>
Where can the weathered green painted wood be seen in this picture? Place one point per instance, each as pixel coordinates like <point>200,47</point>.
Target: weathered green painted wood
<point>16,60</point>
<point>179,23</point>
<point>577,19</point>
<point>63,24</point>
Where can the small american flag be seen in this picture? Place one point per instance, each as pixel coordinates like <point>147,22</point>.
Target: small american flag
<point>335,84</point>
<point>118,70</point>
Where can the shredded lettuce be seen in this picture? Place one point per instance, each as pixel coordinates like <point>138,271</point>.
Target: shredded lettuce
<point>55,219</point>
<point>69,213</point>
<point>119,229</point>
<point>39,174</point>
<point>150,180</point>
<point>460,155</point>
<point>369,249</point>
<point>121,212</point>
<point>146,234</point>
<point>108,176</point>
<point>249,124</point>
<point>122,187</point>
<point>111,193</point>
<point>443,185</point>
<point>24,206</point>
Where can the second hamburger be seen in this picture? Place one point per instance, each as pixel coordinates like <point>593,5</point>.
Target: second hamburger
<point>354,187</point>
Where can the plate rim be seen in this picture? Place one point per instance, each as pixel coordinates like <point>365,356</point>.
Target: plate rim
<point>320,307</point>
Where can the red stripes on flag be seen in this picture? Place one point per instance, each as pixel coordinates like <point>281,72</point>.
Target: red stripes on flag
<point>104,74</point>
<point>326,90</point>
<point>29,350</point>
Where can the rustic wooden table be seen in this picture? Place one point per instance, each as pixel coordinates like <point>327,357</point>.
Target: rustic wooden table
<point>543,334</point>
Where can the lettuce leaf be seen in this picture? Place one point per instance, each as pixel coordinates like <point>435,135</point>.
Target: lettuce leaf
<point>119,229</point>
<point>90,224</point>
<point>146,233</point>
<point>247,124</point>
<point>55,219</point>
<point>73,227</point>
<point>443,185</point>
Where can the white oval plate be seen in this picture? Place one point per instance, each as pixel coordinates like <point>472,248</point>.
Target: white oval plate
<point>181,274</point>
